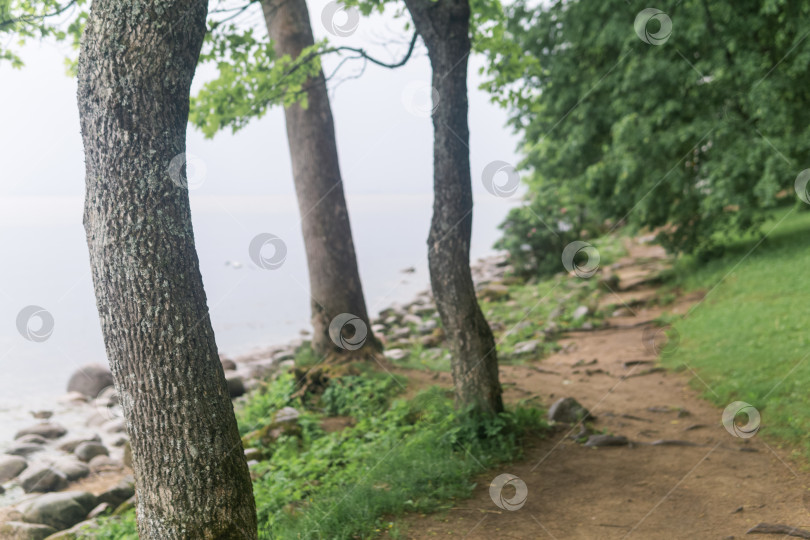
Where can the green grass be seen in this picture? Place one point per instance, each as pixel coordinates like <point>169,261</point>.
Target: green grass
<point>114,528</point>
<point>748,338</point>
<point>397,455</point>
<point>524,314</point>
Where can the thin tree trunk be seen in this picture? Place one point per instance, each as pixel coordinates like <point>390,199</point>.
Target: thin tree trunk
<point>135,70</point>
<point>334,279</point>
<point>444,26</point>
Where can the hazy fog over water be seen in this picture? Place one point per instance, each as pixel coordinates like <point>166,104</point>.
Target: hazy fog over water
<point>246,188</point>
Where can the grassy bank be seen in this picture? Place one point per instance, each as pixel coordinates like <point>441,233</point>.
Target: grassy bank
<point>748,339</point>
<point>360,452</point>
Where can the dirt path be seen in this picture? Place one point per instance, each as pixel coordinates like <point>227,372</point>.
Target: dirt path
<point>719,488</point>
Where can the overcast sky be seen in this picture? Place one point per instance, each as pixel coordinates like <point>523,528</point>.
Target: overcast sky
<point>384,147</point>
<point>386,159</point>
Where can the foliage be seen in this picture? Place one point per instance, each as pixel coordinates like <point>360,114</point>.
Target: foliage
<point>747,339</point>
<point>113,528</point>
<point>251,78</point>
<point>355,395</point>
<point>413,456</point>
<point>397,455</point>
<point>536,233</point>
<point>541,309</point>
<point>259,409</point>
<point>693,136</point>
<point>38,19</point>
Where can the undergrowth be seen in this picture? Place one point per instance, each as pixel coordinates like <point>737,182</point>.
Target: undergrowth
<point>398,452</point>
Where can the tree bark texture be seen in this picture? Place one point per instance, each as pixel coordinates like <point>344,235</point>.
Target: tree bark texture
<point>445,28</point>
<point>136,64</point>
<point>334,278</point>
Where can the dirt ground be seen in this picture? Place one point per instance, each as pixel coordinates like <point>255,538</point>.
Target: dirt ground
<point>702,482</point>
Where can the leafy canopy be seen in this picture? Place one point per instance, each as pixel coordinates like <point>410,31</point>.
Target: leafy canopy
<point>250,77</point>
<point>21,20</point>
<point>694,135</point>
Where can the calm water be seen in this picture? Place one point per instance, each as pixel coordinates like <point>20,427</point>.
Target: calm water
<point>45,263</point>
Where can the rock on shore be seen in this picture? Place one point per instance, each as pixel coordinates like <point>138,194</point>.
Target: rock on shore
<point>90,380</point>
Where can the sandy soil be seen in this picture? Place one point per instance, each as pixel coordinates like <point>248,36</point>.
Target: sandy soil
<point>708,484</point>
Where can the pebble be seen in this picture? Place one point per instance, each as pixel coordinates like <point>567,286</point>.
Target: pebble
<point>47,430</point>
<point>427,327</point>
<point>115,425</point>
<point>236,386</point>
<point>72,533</point>
<point>286,414</point>
<point>72,468</point>
<point>228,364</point>
<point>73,397</point>
<point>88,450</point>
<point>126,506</point>
<point>409,318</point>
<point>118,493</point>
<point>42,478</point>
<point>119,441</point>
<point>527,347</point>
<point>32,439</point>
<point>607,440</point>
<point>104,463</point>
<point>59,510</point>
<point>399,333</point>
<point>262,369</point>
<point>253,454</point>
<point>580,313</point>
<point>18,530</point>
<point>69,445</point>
<point>10,467</point>
<point>568,410</point>
<point>90,380</point>
<point>494,292</point>
<point>24,450</point>
<point>396,354</point>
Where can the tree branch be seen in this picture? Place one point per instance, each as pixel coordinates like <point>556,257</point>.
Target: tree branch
<point>363,54</point>
<point>12,21</point>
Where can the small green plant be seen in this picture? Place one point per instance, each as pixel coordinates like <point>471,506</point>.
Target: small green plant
<point>122,527</point>
<point>536,233</point>
<point>356,395</point>
<point>398,455</point>
<point>259,409</point>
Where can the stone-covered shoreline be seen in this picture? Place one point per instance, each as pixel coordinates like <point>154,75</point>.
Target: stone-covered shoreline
<point>56,478</point>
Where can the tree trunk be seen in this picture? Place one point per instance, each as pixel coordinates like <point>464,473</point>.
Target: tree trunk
<point>334,279</point>
<point>444,26</point>
<point>135,71</point>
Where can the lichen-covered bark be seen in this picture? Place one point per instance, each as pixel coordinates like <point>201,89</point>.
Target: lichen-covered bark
<point>444,26</point>
<point>334,279</point>
<point>135,69</point>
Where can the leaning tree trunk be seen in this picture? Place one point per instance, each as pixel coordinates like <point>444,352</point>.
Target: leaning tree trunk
<point>444,26</point>
<point>135,71</point>
<point>334,279</point>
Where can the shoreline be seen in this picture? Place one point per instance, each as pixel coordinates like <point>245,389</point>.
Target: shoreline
<point>62,424</point>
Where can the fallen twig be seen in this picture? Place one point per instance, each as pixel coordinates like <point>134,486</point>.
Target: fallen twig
<point>778,528</point>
